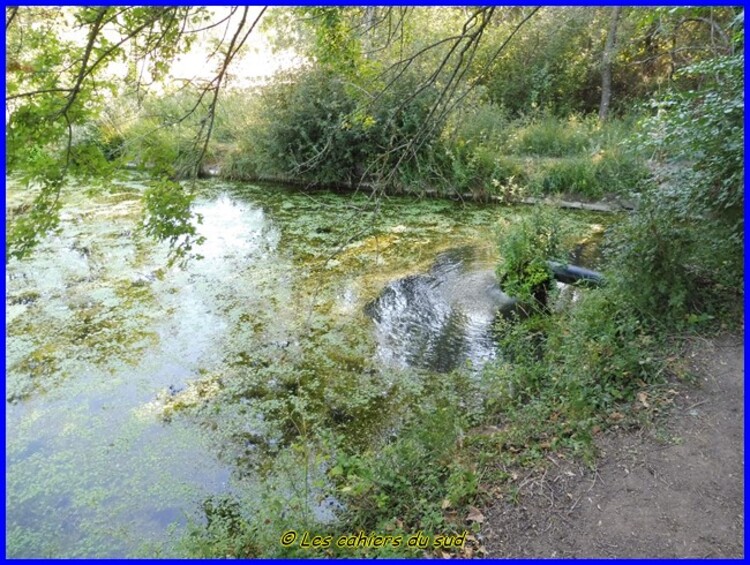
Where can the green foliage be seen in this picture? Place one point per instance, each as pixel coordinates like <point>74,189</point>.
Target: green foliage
<point>225,532</point>
<point>306,132</point>
<point>472,168</point>
<point>317,127</point>
<point>619,169</point>
<point>652,251</point>
<point>704,128</point>
<point>474,160</point>
<point>91,156</point>
<point>240,163</point>
<point>604,351</point>
<point>39,219</point>
<point>488,154</point>
<point>237,132</point>
<point>551,137</point>
<point>159,137</point>
<point>554,63</point>
<point>576,175</point>
<point>578,156</point>
<point>407,479</point>
<point>683,252</point>
<point>564,373</point>
<point>336,46</point>
<point>56,86</point>
<point>525,248</point>
<point>564,368</point>
<point>551,65</point>
<point>481,123</point>
<point>699,134</point>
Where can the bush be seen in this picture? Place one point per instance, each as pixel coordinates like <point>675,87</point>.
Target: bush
<point>305,133</point>
<point>604,352</point>
<point>564,372</point>
<point>409,478</point>
<point>562,375</point>
<point>653,252</point>
<point>509,177</point>
<point>225,533</point>
<point>318,127</point>
<point>700,136</point>
<point>240,164</point>
<point>525,248</point>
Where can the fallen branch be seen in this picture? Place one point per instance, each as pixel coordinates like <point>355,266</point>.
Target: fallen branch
<point>593,207</point>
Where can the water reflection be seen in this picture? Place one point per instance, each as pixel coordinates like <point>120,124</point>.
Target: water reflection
<point>442,319</point>
<point>89,472</point>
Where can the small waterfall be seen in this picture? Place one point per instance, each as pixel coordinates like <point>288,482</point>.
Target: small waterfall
<point>440,320</point>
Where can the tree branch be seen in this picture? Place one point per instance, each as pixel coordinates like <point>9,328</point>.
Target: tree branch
<point>12,13</point>
<point>234,46</point>
<point>93,34</point>
<point>438,113</point>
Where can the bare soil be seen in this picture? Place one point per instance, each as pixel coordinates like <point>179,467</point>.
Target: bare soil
<point>673,489</point>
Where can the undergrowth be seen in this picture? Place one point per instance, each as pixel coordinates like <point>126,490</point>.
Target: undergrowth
<point>309,129</point>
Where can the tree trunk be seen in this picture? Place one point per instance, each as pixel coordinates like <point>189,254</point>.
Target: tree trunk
<point>607,58</point>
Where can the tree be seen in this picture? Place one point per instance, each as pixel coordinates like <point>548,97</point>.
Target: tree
<point>607,58</point>
<point>57,79</point>
<point>448,53</point>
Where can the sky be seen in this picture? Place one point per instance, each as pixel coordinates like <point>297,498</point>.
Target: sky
<point>256,65</point>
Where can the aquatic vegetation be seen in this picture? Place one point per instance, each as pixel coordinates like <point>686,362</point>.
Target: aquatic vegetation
<point>203,383</point>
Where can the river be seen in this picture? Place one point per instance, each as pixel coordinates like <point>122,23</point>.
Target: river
<point>137,392</point>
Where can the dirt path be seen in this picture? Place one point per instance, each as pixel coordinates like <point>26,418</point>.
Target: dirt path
<point>675,491</point>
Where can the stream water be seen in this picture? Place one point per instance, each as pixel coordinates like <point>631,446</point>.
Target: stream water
<point>442,319</point>
<point>134,393</point>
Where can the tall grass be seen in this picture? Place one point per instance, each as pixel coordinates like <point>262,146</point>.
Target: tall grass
<point>549,136</point>
<point>542,154</point>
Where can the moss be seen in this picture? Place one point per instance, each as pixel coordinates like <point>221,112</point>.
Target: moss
<point>24,298</point>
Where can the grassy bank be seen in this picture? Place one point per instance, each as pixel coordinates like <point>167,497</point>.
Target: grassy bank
<point>310,132</point>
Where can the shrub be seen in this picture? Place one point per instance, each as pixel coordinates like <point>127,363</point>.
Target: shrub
<point>317,126</point>
<point>700,135</point>
<point>564,373</point>
<point>304,132</point>
<point>225,533</point>
<point>509,177</point>
<point>604,352</point>
<point>408,478</point>
<point>525,248</point>
<point>652,251</point>
<point>240,164</point>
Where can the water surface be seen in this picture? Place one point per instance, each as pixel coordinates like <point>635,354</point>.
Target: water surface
<point>134,392</point>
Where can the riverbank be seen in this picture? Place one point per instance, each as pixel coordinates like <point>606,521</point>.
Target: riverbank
<point>671,489</point>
